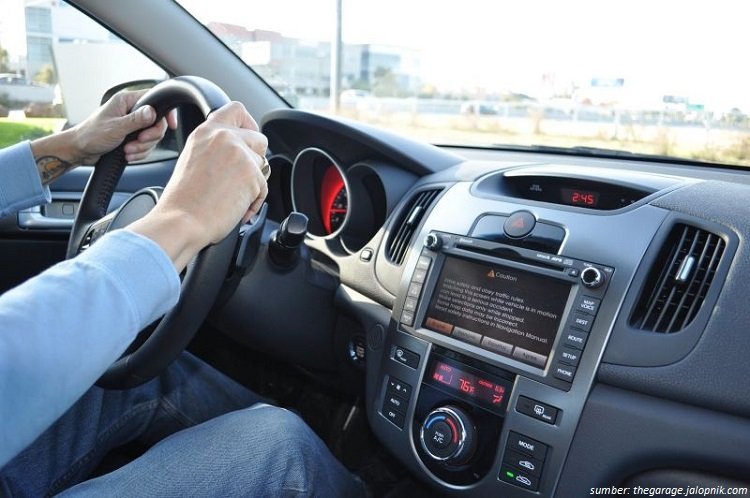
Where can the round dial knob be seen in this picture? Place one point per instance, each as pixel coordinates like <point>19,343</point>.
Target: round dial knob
<point>448,435</point>
<point>433,242</point>
<point>592,277</point>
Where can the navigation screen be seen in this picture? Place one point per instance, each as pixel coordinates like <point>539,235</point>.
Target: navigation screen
<point>507,311</point>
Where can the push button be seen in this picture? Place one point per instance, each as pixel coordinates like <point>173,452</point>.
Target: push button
<point>407,318</point>
<point>527,446</point>
<point>394,403</point>
<point>581,321</point>
<point>518,478</point>
<point>575,339</point>
<point>570,356</point>
<point>519,224</point>
<point>401,389</point>
<point>410,304</point>
<point>406,357</point>
<point>423,263</point>
<point>414,290</point>
<point>588,305</point>
<point>394,416</point>
<point>536,409</point>
<point>419,276</point>
<point>525,463</point>
<point>564,372</point>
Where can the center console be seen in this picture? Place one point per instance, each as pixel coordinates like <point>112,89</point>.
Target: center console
<point>497,332</point>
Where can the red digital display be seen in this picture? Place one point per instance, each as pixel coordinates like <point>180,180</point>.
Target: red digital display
<point>474,386</point>
<point>580,197</point>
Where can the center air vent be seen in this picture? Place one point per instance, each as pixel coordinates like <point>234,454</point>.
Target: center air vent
<point>407,223</point>
<point>679,280</point>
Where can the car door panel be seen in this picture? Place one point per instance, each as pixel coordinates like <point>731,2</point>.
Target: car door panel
<point>36,238</point>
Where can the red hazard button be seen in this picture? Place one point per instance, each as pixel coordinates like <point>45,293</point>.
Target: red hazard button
<point>519,224</point>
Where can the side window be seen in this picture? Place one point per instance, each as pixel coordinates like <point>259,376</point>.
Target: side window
<point>55,65</point>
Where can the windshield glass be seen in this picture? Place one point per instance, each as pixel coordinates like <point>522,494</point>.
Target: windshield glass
<point>663,78</point>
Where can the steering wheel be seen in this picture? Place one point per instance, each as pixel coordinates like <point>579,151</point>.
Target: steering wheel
<point>204,276</point>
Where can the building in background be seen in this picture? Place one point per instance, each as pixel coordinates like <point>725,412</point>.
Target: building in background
<point>49,22</point>
<point>302,67</point>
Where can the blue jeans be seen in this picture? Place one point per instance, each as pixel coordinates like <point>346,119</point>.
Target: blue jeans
<point>209,436</point>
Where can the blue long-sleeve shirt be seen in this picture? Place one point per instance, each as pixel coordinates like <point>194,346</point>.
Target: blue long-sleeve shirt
<point>60,330</point>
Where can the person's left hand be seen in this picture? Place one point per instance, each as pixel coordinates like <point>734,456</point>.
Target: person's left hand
<point>108,126</point>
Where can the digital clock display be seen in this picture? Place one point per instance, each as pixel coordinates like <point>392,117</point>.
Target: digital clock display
<point>478,388</point>
<point>578,197</point>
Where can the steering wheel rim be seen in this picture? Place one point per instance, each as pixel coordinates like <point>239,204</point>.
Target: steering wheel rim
<point>204,276</point>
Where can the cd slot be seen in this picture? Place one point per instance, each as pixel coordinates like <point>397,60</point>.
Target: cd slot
<point>496,250</point>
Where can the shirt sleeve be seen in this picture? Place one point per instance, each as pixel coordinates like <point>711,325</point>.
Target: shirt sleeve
<point>20,185</point>
<point>60,331</point>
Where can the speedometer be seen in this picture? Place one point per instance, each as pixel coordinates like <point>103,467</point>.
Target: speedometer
<point>334,202</point>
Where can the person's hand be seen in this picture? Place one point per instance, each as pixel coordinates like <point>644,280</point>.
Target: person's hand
<point>216,183</point>
<point>101,132</point>
<point>106,128</point>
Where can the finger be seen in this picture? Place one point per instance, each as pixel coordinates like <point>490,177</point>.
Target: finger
<point>125,100</point>
<point>138,154</point>
<point>156,132</point>
<point>136,146</point>
<point>256,204</point>
<point>234,114</point>
<point>142,118</point>
<point>256,141</point>
<point>172,119</point>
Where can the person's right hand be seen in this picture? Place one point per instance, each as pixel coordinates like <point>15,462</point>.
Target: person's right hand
<point>216,183</point>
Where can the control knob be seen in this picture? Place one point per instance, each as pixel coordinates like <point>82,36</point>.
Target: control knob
<point>433,242</point>
<point>592,277</point>
<point>448,435</point>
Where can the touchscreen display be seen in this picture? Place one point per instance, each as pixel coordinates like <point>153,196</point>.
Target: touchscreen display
<point>507,311</point>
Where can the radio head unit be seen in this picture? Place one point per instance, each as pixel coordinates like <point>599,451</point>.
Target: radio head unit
<point>521,309</point>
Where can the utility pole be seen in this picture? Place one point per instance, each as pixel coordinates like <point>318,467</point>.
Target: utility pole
<point>336,54</point>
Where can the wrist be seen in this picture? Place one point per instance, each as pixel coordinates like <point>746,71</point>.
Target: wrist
<point>174,231</point>
<point>63,145</point>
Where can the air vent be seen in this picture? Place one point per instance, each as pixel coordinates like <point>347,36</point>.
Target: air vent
<point>679,280</point>
<point>407,224</point>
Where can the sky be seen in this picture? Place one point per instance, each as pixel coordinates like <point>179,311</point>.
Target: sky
<point>691,48</point>
<point>695,48</point>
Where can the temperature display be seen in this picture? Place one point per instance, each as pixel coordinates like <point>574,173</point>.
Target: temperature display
<point>483,390</point>
<point>580,197</point>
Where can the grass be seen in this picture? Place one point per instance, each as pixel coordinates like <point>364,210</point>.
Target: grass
<point>13,131</point>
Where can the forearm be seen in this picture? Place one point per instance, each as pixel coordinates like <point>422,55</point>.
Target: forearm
<point>61,330</point>
<point>56,154</point>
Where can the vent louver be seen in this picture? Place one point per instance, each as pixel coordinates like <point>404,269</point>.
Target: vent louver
<point>679,280</point>
<point>407,223</point>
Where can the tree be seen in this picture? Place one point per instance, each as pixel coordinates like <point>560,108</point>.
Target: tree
<point>384,83</point>
<point>4,61</point>
<point>46,75</point>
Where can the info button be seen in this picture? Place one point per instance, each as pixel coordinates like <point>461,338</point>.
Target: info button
<point>530,357</point>
<point>497,346</point>
<point>467,335</point>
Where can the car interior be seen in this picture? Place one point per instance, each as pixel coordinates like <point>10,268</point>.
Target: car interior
<point>450,319</point>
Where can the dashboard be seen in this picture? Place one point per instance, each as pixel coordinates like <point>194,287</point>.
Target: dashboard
<point>527,324</point>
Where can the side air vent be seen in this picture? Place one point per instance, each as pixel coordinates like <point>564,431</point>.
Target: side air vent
<point>408,221</point>
<point>679,280</point>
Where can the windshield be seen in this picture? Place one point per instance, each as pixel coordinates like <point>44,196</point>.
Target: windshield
<point>663,78</point>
